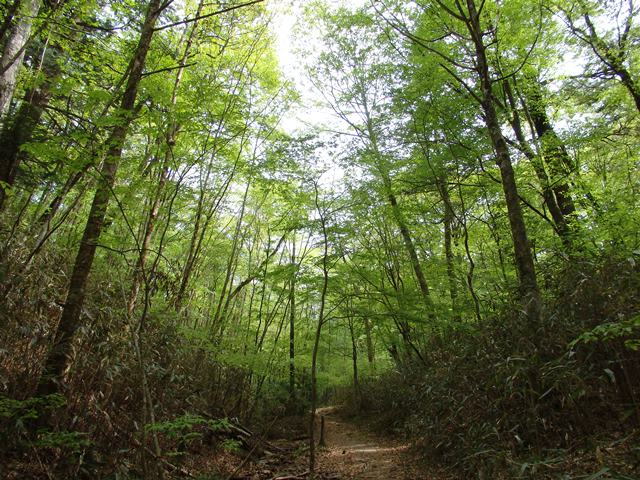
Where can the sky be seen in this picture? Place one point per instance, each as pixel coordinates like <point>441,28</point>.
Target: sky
<point>312,113</point>
<point>286,13</point>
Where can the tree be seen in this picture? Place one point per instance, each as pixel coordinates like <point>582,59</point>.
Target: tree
<point>322,209</point>
<point>613,48</point>
<point>70,319</point>
<point>360,99</point>
<point>479,23</point>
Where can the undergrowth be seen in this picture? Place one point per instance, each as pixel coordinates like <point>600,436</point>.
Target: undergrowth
<point>99,426</point>
<point>504,399</point>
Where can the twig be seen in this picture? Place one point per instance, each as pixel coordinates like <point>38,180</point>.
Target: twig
<point>293,477</point>
<point>246,459</point>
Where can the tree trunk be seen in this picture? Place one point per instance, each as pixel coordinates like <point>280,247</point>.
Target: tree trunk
<point>225,297</point>
<point>370,350</point>
<point>292,325</point>
<point>522,248</point>
<point>316,343</point>
<point>613,56</point>
<point>409,245</point>
<point>549,195</point>
<point>70,319</point>
<point>553,151</point>
<point>354,361</point>
<point>13,52</point>
<point>397,213</point>
<point>448,250</point>
<point>19,130</point>
<point>170,140</point>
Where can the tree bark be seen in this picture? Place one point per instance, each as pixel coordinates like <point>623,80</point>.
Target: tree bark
<point>354,361</point>
<point>448,250</point>
<point>554,153</point>
<point>13,52</point>
<point>397,213</point>
<point>20,129</point>
<point>370,350</point>
<point>549,195</point>
<point>170,140</point>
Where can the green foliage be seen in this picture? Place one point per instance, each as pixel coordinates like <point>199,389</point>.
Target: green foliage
<point>627,330</point>
<point>19,418</point>
<point>71,441</point>
<point>411,181</point>
<point>187,428</point>
<point>19,412</point>
<point>231,445</point>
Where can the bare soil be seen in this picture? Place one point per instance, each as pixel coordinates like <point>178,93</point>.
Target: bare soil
<point>353,452</point>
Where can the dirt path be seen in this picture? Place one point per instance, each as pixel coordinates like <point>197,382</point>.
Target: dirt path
<point>354,453</point>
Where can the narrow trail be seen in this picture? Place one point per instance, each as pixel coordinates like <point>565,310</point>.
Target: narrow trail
<point>351,452</point>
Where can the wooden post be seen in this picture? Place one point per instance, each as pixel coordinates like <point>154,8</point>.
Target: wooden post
<point>322,442</point>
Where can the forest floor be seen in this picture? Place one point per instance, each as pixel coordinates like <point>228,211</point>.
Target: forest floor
<point>354,452</point>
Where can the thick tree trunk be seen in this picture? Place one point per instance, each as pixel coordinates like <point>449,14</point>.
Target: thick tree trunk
<point>549,195</point>
<point>522,248</point>
<point>70,319</point>
<point>13,52</point>
<point>629,84</point>
<point>554,153</point>
<point>7,21</point>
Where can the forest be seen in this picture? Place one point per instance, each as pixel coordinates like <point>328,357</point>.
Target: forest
<point>320,239</point>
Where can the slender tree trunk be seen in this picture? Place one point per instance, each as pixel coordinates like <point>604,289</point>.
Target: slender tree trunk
<point>203,217</point>
<point>224,298</point>
<point>170,141</point>
<point>43,224</point>
<point>14,49</point>
<point>397,213</point>
<point>443,189</point>
<point>613,56</point>
<point>409,245</point>
<point>472,265</point>
<point>292,326</point>
<point>354,362</point>
<point>316,342</point>
<point>522,248</point>
<point>70,319</point>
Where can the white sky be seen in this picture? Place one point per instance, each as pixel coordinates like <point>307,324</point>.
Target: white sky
<point>312,113</point>
<point>286,13</point>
